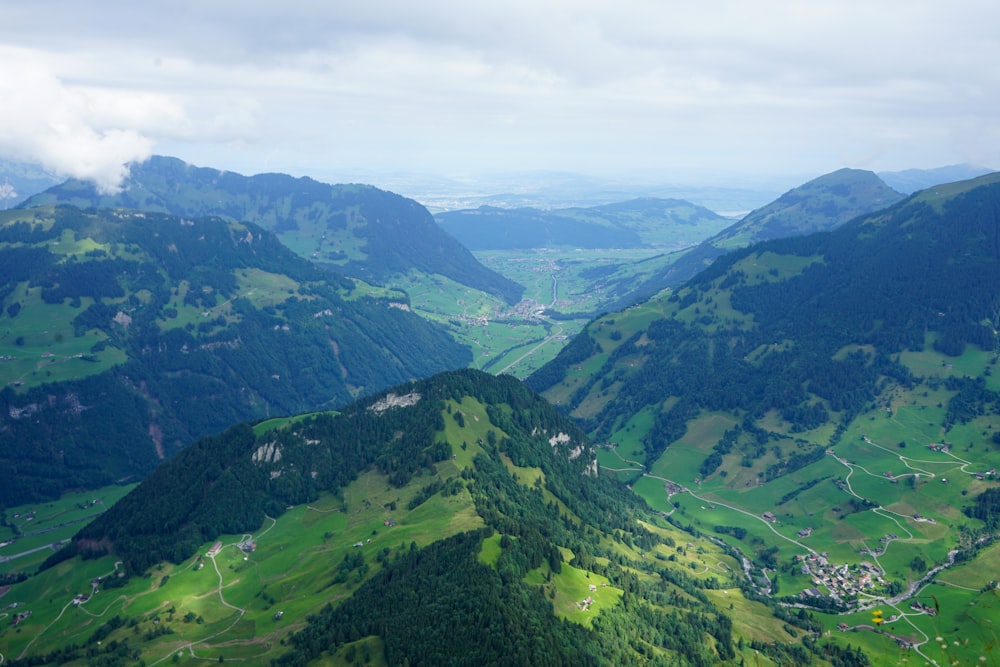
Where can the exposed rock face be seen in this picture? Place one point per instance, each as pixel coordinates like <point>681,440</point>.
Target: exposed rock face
<point>267,453</point>
<point>395,401</point>
<point>574,452</point>
<point>558,439</point>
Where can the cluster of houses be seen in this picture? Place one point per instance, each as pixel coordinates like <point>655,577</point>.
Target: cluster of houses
<point>589,600</point>
<point>20,617</point>
<point>673,489</point>
<point>840,580</point>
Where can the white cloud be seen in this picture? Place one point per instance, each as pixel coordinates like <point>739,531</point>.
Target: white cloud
<point>76,132</point>
<point>564,84</point>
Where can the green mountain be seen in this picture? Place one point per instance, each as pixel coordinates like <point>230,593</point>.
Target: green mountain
<point>824,402</point>
<point>357,230</point>
<point>656,223</point>
<point>821,204</point>
<point>455,520</point>
<point>125,335</point>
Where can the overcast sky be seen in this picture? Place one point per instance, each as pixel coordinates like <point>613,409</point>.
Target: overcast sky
<point>678,91</point>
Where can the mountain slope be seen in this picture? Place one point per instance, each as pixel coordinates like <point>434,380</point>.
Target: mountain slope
<point>356,229</point>
<point>831,395</point>
<point>660,223</point>
<point>819,205</point>
<point>458,504</point>
<point>926,265</point>
<point>125,335</point>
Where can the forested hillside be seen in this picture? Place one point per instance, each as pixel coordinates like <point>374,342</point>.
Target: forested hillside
<point>462,505</point>
<point>358,230</point>
<point>822,204</point>
<point>823,403</point>
<point>125,335</point>
<point>824,316</point>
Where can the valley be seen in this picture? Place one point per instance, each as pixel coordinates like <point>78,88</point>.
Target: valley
<point>788,458</point>
<point>852,498</point>
<point>563,291</point>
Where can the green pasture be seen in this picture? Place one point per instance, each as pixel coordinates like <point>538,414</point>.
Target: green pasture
<point>972,363</point>
<point>309,240</point>
<point>963,631</point>
<point>597,399</point>
<point>761,533</point>
<point>40,345</point>
<point>543,270</point>
<point>520,349</point>
<point>265,289</point>
<point>226,604</point>
<point>611,463</point>
<point>53,616</point>
<point>490,551</point>
<point>571,587</point>
<point>976,573</point>
<point>750,619</point>
<point>476,430</point>
<point>69,245</point>
<point>680,462</point>
<point>628,437</point>
<point>38,218</point>
<point>773,267</point>
<point>263,427</point>
<point>37,525</point>
<point>369,651</point>
<point>363,290</point>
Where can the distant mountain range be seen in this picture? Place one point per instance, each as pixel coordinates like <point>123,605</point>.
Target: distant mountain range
<point>19,180</point>
<point>357,230</point>
<point>124,335</point>
<point>649,222</point>
<point>819,205</point>
<point>909,181</point>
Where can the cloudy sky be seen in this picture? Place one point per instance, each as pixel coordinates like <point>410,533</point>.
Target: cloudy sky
<point>678,91</point>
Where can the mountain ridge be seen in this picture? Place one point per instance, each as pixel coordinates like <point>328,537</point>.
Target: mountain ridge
<point>645,221</point>
<point>470,503</point>
<point>358,230</point>
<point>127,334</point>
<point>817,205</point>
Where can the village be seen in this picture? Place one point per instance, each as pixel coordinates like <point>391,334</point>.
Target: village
<point>840,580</point>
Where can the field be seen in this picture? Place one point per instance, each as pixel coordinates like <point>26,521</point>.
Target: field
<point>520,339</point>
<point>889,493</point>
<point>885,491</point>
<point>231,600</point>
<point>28,532</point>
<point>39,345</point>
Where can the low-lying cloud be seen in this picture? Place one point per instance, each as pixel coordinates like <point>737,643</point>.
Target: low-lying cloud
<point>72,131</point>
